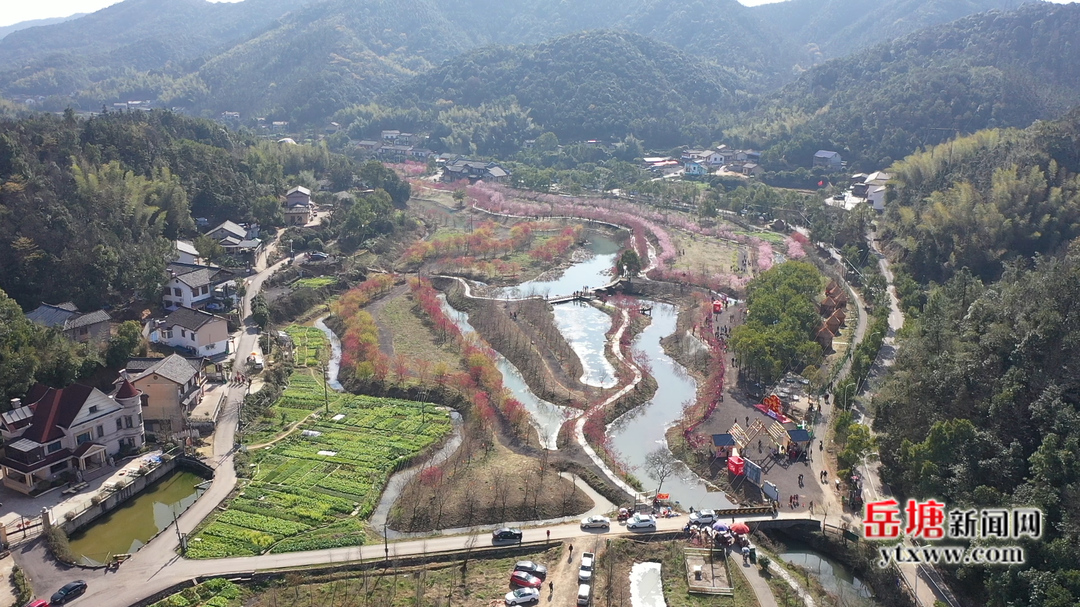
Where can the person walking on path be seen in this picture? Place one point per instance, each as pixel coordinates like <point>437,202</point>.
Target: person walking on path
<point>571,554</point>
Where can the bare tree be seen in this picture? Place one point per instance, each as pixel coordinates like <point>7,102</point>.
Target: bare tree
<point>660,464</point>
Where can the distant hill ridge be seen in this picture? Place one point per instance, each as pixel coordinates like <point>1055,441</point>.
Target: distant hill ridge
<point>302,60</point>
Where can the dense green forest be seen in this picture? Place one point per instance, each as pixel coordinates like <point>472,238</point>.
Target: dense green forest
<point>982,409</point>
<point>828,29</point>
<point>989,70</point>
<point>597,85</point>
<point>980,201</point>
<point>89,207</point>
<point>778,335</point>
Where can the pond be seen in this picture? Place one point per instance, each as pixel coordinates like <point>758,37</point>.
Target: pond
<point>834,577</point>
<point>127,528</point>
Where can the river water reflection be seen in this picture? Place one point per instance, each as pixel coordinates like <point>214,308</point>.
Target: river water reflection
<point>642,430</point>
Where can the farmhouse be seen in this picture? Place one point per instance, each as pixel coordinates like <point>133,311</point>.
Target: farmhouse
<point>73,430</point>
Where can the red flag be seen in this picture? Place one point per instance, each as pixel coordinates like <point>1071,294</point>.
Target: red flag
<point>821,183</point>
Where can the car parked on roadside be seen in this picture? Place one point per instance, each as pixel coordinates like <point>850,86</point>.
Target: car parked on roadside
<point>69,592</point>
<point>585,572</point>
<point>595,522</point>
<point>37,603</point>
<point>531,567</point>
<point>703,517</point>
<point>641,521</point>
<point>520,578</point>
<point>522,596</point>
<point>506,534</point>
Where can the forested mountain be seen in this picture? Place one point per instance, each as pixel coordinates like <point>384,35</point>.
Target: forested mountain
<point>982,409</point>
<point>256,56</point>
<point>88,209</point>
<point>600,84</point>
<point>827,29</point>
<point>980,201</point>
<point>988,70</point>
<point>14,27</point>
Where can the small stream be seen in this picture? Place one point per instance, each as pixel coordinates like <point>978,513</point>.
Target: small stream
<point>834,577</point>
<point>546,417</point>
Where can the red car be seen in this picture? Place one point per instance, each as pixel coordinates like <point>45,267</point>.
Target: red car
<point>38,603</point>
<point>520,578</point>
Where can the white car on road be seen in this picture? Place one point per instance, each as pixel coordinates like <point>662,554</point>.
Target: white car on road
<point>641,521</point>
<point>595,522</point>
<point>703,517</point>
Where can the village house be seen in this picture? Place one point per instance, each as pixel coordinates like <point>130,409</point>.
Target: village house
<point>237,239</point>
<point>198,332</point>
<point>67,432</point>
<point>173,387</point>
<point>828,160</point>
<point>474,170</point>
<point>751,169</point>
<point>95,327</point>
<point>694,169</point>
<point>190,285</point>
<point>187,253</point>
<point>298,207</point>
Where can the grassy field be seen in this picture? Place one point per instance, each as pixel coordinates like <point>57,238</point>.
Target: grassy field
<point>316,282</point>
<point>703,253</point>
<point>412,339</point>
<point>315,488</point>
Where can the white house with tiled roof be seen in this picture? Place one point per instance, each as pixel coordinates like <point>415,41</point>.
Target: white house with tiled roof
<point>202,333</point>
<point>67,431</point>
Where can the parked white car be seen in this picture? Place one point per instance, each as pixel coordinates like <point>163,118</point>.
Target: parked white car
<point>641,521</point>
<point>595,522</point>
<point>521,596</point>
<point>585,572</point>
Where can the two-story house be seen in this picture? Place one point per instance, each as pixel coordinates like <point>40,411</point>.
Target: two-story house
<point>93,327</point>
<point>298,207</point>
<point>173,387</point>
<point>190,285</point>
<point>68,431</point>
<point>201,333</point>
<point>474,170</point>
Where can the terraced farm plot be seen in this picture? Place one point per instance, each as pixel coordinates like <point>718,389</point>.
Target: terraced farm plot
<point>310,343</point>
<point>314,488</point>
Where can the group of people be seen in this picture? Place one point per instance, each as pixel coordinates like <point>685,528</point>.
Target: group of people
<point>239,379</point>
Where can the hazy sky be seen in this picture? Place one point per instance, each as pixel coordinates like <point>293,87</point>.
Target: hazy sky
<point>24,10</point>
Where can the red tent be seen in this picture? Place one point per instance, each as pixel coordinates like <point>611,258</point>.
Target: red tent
<point>735,465</point>
<point>717,306</point>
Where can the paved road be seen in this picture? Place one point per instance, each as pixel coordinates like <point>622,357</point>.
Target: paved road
<point>156,567</point>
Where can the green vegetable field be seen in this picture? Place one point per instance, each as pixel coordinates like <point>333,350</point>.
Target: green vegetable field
<point>316,487</point>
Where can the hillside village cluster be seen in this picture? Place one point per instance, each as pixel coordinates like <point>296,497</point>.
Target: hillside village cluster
<point>75,431</point>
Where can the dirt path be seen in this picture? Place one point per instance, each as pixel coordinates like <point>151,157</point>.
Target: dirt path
<point>563,573</point>
<point>386,335</point>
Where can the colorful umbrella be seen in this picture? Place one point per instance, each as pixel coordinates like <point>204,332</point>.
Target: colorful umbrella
<point>740,528</point>
<point>718,526</point>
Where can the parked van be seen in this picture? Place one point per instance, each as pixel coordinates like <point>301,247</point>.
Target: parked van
<point>584,594</point>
